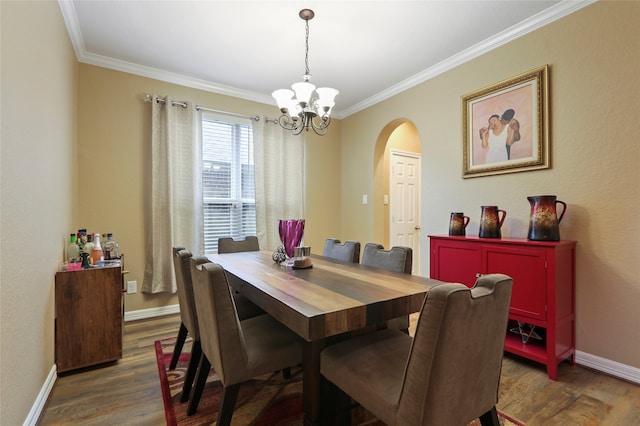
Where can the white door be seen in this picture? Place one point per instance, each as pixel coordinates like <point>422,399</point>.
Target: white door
<point>404,203</point>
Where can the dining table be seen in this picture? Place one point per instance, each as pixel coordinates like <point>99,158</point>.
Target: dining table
<point>328,300</point>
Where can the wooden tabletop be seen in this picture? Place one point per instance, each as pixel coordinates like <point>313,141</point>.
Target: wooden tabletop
<point>327,299</point>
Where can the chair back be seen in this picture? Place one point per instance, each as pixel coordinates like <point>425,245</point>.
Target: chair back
<point>229,245</point>
<point>184,284</point>
<point>453,371</point>
<point>220,332</point>
<point>397,259</point>
<point>349,251</point>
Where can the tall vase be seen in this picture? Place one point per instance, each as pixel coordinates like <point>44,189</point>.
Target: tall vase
<point>544,220</point>
<point>291,233</point>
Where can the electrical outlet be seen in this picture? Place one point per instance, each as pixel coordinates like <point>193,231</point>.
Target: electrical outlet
<point>132,287</point>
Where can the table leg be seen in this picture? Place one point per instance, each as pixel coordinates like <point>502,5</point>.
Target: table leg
<point>312,381</point>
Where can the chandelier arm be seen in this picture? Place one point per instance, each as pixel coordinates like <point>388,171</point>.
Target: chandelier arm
<point>320,125</point>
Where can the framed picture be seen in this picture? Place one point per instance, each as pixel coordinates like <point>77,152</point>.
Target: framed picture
<point>505,127</point>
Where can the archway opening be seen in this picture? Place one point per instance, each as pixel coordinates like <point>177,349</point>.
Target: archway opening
<point>398,135</point>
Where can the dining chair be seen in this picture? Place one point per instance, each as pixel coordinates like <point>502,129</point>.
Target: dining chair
<point>238,350</point>
<point>230,245</point>
<point>447,374</point>
<point>245,307</point>
<point>349,251</point>
<point>188,316</point>
<point>396,259</point>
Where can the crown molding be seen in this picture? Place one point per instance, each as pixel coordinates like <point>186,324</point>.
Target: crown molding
<point>529,25</point>
<point>550,15</point>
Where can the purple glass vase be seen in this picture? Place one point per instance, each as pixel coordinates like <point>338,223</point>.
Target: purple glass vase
<point>291,232</point>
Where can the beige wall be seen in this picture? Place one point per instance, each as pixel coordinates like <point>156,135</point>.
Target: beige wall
<point>114,137</point>
<point>595,103</point>
<point>38,196</point>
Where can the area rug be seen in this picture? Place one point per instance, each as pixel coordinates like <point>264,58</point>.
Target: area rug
<point>269,400</point>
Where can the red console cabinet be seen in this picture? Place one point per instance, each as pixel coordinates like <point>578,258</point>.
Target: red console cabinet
<point>543,292</point>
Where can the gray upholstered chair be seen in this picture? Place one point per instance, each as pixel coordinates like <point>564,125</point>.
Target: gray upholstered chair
<point>229,245</point>
<point>349,251</point>
<point>238,350</point>
<point>397,259</point>
<point>188,316</point>
<point>448,374</point>
<point>246,308</point>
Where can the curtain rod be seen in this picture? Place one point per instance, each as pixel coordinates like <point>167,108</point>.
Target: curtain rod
<point>253,117</point>
<point>149,98</point>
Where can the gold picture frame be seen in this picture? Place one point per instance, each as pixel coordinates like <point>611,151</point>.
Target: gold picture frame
<point>505,127</point>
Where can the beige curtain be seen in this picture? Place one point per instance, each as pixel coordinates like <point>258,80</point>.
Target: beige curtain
<point>279,179</point>
<point>173,207</point>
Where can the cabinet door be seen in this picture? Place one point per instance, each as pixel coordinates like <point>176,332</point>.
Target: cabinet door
<point>88,317</point>
<point>527,267</point>
<point>455,261</point>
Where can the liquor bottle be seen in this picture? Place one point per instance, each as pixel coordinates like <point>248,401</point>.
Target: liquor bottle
<point>88,245</point>
<point>111,248</point>
<point>96,250</point>
<point>72,249</point>
<point>82,237</point>
<point>79,242</point>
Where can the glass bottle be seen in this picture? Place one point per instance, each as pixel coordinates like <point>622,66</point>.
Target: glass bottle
<point>96,250</point>
<point>88,245</point>
<point>72,249</point>
<point>111,248</point>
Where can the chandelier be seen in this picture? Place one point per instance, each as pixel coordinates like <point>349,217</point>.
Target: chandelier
<point>305,107</point>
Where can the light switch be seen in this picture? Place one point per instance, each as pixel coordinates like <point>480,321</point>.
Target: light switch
<point>364,199</point>
<point>386,200</point>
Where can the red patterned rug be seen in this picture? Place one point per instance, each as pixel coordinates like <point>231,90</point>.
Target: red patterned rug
<point>265,401</point>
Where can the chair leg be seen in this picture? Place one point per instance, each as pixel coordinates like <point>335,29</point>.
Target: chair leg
<point>194,361</point>
<point>338,404</point>
<point>490,418</point>
<point>177,349</point>
<point>203,373</point>
<point>229,397</point>
<point>286,373</point>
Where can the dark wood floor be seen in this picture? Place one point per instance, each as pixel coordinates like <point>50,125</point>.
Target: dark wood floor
<point>128,392</point>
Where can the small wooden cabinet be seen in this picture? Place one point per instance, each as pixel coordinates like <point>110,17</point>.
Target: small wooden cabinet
<point>543,292</point>
<point>89,314</point>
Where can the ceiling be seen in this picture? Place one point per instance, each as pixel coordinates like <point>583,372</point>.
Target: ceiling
<point>368,50</point>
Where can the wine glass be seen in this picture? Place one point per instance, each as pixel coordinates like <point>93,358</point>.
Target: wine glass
<point>291,232</point>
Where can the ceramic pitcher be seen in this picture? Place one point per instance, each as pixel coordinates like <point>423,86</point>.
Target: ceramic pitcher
<point>491,221</point>
<point>458,224</point>
<point>544,220</point>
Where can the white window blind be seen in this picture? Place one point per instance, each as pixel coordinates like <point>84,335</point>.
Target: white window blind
<point>228,188</point>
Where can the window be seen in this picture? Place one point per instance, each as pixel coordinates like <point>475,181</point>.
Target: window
<point>228,189</point>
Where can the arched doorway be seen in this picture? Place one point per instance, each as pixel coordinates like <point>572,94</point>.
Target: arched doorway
<point>398,137</point>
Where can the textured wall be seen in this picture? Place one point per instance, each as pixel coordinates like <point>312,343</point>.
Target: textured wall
<point>594,103</point>
<point>38,196</point>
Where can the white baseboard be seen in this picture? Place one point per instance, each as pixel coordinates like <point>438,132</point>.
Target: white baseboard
<point>609,367</point>
<point>151,312</point>
<point>41,400</point>
<point>43,395</point>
